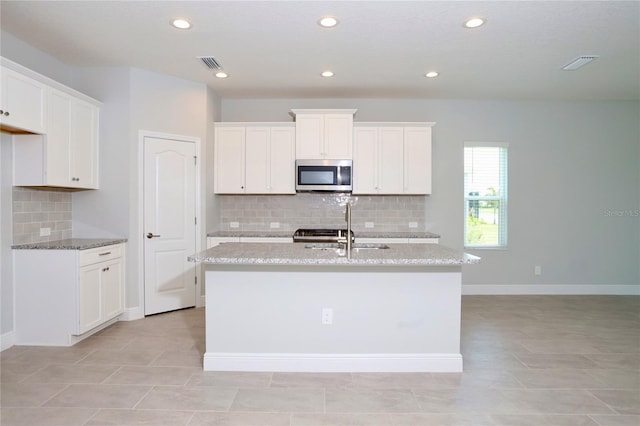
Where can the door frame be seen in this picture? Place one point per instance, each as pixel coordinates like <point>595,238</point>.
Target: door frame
<point>142,134</point>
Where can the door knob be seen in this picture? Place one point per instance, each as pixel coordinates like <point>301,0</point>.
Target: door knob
<point>150,235</point>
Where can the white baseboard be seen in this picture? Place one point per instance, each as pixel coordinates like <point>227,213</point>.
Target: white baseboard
<point>551,289</point>
<point>333,363</point>
<point>131,314</point>
<point>7,340</point>
<point>200,303</point>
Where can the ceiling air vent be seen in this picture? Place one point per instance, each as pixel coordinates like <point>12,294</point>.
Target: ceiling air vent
<point>578,62</point>
<point>210,62</point>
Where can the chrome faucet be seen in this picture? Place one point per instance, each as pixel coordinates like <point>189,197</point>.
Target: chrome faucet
<point>347,216</point>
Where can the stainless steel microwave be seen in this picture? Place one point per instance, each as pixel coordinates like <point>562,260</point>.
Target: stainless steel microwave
<point>324,175</point>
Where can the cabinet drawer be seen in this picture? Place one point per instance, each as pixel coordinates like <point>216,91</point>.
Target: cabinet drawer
<point>100,254</point>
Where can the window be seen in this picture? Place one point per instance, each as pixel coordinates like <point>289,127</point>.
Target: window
<point>485,195</point>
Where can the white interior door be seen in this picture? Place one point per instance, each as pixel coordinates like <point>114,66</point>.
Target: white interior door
<point>169,224</point>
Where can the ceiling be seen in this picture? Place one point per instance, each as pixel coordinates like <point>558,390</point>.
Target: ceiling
<point>380,49</point>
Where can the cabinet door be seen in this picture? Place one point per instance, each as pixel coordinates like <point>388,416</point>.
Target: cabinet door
<point>390,160</point>
<point>112,288</point>
<point>338,136</point>
<point>83,153</point>
<point>310,136</point>
<point>89,298</point>
<point>257,140</point>
<point>23,102</point>
<point>229,160</point>
<point>417,160</point>
<point>282,161</point>
<point>216,241</point>
<point>58,140</point>
<point>365,160</point>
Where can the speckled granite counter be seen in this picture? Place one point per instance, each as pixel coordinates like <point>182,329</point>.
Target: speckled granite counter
<point>358,234</point>
<point>71,244</point>
<point>298,254</point>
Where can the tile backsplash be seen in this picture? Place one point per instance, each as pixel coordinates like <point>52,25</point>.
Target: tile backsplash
<point>387,213</point>
<point>37,208</point>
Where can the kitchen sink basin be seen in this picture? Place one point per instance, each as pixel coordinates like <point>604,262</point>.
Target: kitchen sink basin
<point>338,246</point>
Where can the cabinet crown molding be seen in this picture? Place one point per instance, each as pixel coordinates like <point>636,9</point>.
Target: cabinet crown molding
<point>394,123</point>
<point>323,111</point>
<point>254,124</point>
<point>9,64</point>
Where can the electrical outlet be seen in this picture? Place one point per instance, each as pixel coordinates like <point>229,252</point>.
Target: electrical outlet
<point>274,225</point>
<point>234,225</point>
<point>368,224</point>
<point>327,316</point>
<point>537,270</point>
<point>45,232</point>
<point>413,224</point>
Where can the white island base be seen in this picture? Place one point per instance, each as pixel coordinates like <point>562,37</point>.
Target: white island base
<point>384,318</point>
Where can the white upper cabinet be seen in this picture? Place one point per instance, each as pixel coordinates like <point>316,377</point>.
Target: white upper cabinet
<point>67,156</point>
<point>229,160</point>
<point>417,160</point>
<point>55,141</point>
<point>72,142</point>
<point>393,158</point>
<point>254,159</point>
<point>23,103</point>
<point>324,134</point>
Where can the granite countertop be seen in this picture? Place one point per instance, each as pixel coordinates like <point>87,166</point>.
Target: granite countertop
<point>297,254</point>
<point>71,244</point>
<point>289,234</point>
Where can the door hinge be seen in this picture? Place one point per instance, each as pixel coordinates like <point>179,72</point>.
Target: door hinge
<point>195,160</point>
<point>195,220</point>
<point>196,280</point>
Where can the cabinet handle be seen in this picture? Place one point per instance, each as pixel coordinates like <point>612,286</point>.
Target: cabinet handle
<point>105,269</point>
<point>151,235</point>
<point>75,179</point>
<point>2,112</point>
<point>104,254</point>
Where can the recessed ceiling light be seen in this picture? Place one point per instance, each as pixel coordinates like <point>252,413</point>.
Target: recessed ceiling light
<point>181,24</point>
<point>222,74</point>
<point>328,22</point>
<point>327,73</point>
<point>474,22</point>
<point>432,74</point>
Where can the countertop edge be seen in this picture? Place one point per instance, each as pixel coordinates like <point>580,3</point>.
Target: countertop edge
<point>70,244</point>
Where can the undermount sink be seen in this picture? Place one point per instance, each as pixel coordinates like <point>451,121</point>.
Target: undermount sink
<point>338,246</point>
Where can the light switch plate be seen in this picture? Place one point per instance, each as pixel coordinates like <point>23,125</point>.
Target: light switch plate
<point>45,232</point>
<point>274,225</point>
<point>234,225</point>
<point>368,224</point>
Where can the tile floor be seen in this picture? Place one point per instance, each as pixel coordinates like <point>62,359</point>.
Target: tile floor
<point>529,360</point>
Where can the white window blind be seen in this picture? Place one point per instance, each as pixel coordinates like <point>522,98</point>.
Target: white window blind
<point>485,194</point>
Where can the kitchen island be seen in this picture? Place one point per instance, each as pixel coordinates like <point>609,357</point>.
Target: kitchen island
<point>307,307</point>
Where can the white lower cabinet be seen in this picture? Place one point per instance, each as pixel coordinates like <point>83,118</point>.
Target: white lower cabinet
<point>214,241</point>
<point>100,293</point>
<point>398,240</point>
<point>62,296</point>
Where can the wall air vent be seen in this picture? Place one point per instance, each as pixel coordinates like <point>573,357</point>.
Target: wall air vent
<point>210,62</point>
<point>578,62</point>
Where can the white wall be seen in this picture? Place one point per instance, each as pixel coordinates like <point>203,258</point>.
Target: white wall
<point>570,164</point>
<point>134,100</point>
<point>6,225</point>
<point>36,60</point>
